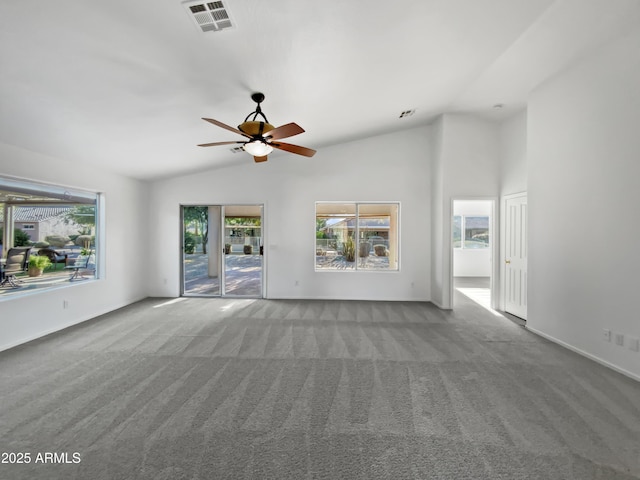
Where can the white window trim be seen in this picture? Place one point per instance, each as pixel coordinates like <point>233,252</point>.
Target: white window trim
<point>357,205</point>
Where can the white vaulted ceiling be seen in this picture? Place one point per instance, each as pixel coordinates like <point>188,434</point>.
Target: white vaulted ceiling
<point>123,84</point>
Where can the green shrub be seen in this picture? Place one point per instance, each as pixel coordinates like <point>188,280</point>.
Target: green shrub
<point>189,243</point>
<point>20,238</point>
<point>58,241</point>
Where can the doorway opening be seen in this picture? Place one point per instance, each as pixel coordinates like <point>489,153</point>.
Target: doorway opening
<point>473,248</point>
<point>222,250</point>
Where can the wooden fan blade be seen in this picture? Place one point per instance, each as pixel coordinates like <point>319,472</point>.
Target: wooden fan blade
<point>214,144</point>
<point>260,159</point>
<point>307,152</point>
<point>226,127</point>
<point>284,131</point>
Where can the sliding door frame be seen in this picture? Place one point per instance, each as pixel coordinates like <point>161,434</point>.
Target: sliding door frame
<point>222,257</point>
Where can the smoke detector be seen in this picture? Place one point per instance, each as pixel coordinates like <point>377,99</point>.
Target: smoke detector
<point>209,16</point>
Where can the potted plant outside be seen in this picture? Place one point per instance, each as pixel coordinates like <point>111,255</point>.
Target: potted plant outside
<point>227,248</point>
<point>248,249</point>
<point>37,264</point>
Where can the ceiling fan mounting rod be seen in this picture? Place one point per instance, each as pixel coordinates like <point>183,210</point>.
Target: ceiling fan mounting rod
<point>258,98</point>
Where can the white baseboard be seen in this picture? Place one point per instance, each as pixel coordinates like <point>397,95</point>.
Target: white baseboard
<point>585,354</point>
<point>440,306</point>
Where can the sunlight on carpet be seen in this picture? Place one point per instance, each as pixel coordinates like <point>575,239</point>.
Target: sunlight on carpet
<point>482,296</point>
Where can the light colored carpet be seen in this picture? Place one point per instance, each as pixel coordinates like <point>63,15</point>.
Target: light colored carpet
<point>241,389</point>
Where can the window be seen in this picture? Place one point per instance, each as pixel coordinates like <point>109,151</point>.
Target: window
<point>474,230</point>
<point>63,226</point>
<point>357,236</point>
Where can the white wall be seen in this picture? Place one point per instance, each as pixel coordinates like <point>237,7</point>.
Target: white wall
<point>472,262</point>
<point>584,169</point>
<point>392,167</point>
<point>512,144</point>
<point>125,280</point>
<point>438,236</point>
<point>468,166</point>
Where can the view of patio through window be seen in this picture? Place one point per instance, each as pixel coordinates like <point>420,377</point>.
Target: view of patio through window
<point>357,236</point>
<point>47,236</point>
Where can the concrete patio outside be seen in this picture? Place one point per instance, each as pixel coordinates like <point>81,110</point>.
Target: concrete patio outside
<point>243,275</point>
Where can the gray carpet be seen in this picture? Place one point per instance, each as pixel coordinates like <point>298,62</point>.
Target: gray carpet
<point>266,389</point>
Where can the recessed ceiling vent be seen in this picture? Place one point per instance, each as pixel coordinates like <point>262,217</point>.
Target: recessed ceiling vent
<point>407,113</point>
<point>209,16</point>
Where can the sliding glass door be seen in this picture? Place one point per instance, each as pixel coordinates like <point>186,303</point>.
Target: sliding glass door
<point>243,250</point>
<point>222,250</point>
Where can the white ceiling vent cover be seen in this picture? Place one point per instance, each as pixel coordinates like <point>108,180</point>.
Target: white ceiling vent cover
<point>209,16</point>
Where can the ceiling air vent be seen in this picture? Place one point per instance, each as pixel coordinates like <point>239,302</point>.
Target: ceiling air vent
<point>237,149</point>
<point>209,16</point>
<point>407,113</point>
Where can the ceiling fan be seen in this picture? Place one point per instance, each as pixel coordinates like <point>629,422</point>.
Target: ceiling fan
<point>262,136</point>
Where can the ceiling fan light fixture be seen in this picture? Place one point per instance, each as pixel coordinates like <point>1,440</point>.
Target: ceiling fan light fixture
<point>259,134</point>
<point>258,148</point>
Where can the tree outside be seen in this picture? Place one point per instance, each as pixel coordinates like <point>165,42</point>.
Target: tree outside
<point>83,215</point>
<point>197,218</point>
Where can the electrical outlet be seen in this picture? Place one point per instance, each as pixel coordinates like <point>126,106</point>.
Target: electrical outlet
<point>606,334</point>
<point>619,339</point>
<point>634,344</point>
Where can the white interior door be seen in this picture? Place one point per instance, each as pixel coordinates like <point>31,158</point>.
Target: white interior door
<point>516,256</point>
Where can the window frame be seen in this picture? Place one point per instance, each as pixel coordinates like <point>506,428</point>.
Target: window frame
<point>40,193</point>
<point>463,231</point>
<point>356,235</point>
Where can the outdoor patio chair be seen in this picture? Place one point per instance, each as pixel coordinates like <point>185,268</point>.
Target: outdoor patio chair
<point>17,259</point>
<point>79,264</point>
<point>54,256</point>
